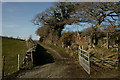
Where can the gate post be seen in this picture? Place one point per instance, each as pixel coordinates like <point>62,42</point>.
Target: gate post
<point>81,50</point>
<point>79,54</point>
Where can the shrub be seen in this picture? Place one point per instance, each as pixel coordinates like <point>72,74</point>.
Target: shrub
<point>66,39</point>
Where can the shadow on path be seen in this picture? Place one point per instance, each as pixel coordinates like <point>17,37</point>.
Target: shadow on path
<point>40,56</point>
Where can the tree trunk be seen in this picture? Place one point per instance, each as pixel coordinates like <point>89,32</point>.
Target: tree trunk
<point>93,36</point>
<point>91,41</point>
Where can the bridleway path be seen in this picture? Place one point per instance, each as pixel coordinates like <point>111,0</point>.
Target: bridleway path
<point>63,67</point>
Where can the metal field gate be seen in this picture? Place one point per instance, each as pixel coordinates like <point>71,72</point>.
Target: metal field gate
<point>84,59</point>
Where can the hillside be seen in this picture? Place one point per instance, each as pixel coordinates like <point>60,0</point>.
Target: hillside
<point>10,49</point>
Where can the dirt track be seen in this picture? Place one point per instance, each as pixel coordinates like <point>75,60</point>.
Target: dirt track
<point>63,67</point>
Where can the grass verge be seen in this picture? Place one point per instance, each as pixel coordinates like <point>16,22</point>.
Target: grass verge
<point>10,49</point>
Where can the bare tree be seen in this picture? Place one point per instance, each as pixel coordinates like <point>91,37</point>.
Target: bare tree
<point>98,13</point>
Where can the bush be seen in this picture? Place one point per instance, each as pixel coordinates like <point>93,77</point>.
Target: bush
<point>66,39</point>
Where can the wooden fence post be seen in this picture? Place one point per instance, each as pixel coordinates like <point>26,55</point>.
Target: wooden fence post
<point>32,57</point>
<point>3,67</point>
<point>118,50</point>
<point>78,51</point>
<point>82,47</point>
<point>18,62</point>
<point>107,40</point>
<point>81,50</point>
<point>117,46</point>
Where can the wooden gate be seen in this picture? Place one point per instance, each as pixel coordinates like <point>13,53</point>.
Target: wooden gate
<point>84,59</point>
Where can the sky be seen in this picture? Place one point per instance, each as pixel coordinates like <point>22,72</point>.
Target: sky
<point>17,16</point>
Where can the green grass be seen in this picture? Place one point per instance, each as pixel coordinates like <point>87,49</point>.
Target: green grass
<point>55,47</point>
<point>10,49</point>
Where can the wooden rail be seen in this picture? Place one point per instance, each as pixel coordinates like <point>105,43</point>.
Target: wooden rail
<point>85,63</point>
<point>107,62</point>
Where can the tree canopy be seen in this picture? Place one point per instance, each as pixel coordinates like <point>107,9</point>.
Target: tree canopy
<point>53,19</point>
<point>99,12</point>
<point>56,17</point>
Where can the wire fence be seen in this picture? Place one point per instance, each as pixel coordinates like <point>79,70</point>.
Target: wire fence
<point>8,68</point>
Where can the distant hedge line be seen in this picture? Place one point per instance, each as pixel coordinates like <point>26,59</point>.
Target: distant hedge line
<point>12,38</point>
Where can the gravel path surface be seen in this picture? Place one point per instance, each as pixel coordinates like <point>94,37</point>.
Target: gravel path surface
<point>63,67</point>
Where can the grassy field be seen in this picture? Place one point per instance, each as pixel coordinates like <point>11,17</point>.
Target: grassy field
<point>10,49</point>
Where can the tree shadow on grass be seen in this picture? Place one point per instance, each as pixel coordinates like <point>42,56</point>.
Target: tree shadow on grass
<point>40,56</point>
